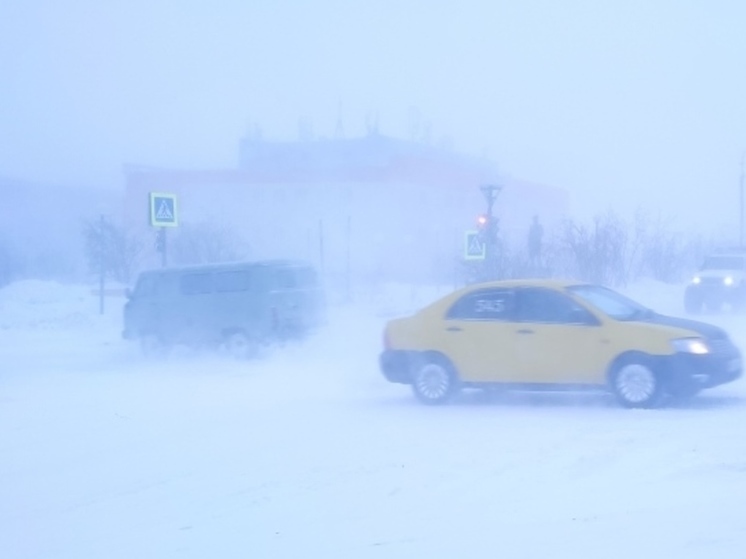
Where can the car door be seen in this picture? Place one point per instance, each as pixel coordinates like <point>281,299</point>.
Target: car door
<point>477,336</point>
<point>190,311</point>
<point>141,310</point>
<point>556,339</point>
<point>240,302</point>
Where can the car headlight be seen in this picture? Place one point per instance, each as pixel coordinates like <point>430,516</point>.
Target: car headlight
<point>728,280</point>
<point>696,280</point>
<point>696,346</point>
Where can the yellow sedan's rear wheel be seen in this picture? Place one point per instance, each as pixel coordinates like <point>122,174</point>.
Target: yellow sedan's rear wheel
<point>434,381</point>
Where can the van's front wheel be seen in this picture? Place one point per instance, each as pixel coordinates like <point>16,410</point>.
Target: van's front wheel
<point>153,346</point>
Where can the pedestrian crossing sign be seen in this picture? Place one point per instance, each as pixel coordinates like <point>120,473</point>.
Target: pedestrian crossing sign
<point>474,248</point>
<point>163,210</point>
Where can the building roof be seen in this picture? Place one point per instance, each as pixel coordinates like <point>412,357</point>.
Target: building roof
<point>368,159</point>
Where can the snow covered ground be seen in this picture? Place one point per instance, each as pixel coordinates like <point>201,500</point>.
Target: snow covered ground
<point>310,453</point>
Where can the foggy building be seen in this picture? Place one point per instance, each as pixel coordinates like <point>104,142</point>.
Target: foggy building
<point>41,228</point>
<point>373,206</point>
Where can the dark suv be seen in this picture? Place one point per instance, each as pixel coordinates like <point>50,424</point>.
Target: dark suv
<point>721,281</point>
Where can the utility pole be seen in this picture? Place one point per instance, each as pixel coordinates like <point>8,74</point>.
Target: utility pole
<point>348,260</point>
<point>102,263</point>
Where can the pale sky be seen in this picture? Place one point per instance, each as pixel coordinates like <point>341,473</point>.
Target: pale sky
<point>621,102</point>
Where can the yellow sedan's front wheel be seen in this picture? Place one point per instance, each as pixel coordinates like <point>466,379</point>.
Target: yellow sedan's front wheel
<point>636,384</point>
<point>434,381</point>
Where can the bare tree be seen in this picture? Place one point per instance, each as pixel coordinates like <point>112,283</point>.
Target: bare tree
<point>597,252</point>
<point>111,249</point>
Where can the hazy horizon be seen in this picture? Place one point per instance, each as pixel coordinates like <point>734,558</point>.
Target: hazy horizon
<point>625,104</point>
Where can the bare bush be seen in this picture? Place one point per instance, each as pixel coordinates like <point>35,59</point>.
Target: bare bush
<point>597,252</point>
<point>111,249</point>
<point>609,250</point>
<point>670,256</point>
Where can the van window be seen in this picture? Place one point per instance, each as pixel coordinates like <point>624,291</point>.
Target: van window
<point>294,278</point>
<point>195,284</point>
<point>145,286</point>
<point>235,280</point>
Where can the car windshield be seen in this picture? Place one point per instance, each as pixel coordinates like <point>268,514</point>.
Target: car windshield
<point>610,302</point>
<point>723,263</point>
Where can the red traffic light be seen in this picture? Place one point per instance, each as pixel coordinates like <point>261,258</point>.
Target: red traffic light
<point>482,220</point>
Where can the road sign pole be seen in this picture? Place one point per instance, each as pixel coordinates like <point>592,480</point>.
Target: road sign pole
<point>102,266</point>
<point>163,214</point>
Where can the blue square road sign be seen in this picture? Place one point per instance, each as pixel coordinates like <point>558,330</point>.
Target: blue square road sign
<point>163,210</point>
<point>474,247</point>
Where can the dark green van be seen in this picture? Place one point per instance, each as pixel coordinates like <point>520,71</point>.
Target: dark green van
<point>239,306</point>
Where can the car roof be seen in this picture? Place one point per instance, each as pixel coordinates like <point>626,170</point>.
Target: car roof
<point>556,284</point>
<point>269,263</point>
<point>528,282</point>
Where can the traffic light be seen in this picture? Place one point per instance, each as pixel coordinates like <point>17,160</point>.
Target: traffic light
<point>487,226</point>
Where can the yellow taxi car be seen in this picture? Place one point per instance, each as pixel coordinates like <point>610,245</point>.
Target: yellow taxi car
<point>549,334</point>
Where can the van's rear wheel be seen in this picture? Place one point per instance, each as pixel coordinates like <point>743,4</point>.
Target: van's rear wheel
<point>239,345</point>
<point>152,345</point>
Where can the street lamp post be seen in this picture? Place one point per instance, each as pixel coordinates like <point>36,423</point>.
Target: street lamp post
<point>490,192</point>
<point>102,262</point>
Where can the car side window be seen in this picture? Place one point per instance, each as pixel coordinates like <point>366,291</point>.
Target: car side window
<point>485,304</point>
<point>542,305</point>
<point>235,280</point>
<point>196,284</point>
<point>286,279</point>
<point>145,287</point>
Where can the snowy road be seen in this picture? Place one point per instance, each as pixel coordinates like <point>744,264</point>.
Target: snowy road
<point>308,453</point>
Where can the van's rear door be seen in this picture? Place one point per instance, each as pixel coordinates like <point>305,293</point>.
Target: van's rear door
<point>298,299</point>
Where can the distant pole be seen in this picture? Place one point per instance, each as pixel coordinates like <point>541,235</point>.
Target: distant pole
<point>456,267</point>
<point>321,246</point>
<point>102,263</point>
<point>740,192</point>
<point>348,264</point>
